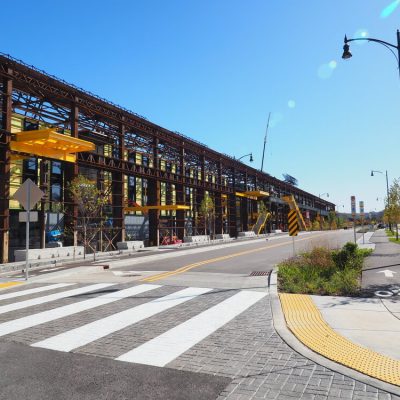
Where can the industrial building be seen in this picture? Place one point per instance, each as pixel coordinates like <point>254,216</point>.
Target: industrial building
<point>154,179</point>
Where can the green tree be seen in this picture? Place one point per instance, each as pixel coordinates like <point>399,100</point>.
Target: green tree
<point>340,222</point>
<point>207,211</point>
<point>392,209</point>
<point>315,225</point>
<point>90,202</point>
<point>331,218</point>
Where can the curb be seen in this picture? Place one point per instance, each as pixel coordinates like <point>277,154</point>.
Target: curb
<point>281,329</point>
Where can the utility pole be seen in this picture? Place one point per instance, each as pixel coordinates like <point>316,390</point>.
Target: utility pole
<point>265,142</point>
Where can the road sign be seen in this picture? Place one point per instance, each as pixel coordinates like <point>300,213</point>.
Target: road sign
<point>293,225</point>
<point>353,206</point>
<point>28,194</point>
<point>362,209</point>
<point>33,216</point>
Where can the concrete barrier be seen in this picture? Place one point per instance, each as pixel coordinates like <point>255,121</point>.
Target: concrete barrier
<point>222,236</point>
<point>196,239</point>
<point>50,253</point>
<point>247,234</point>
<point>130,245</point>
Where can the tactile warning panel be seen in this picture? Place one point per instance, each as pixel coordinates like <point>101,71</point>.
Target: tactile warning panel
<point>5,285</point>
<point>305,321</point>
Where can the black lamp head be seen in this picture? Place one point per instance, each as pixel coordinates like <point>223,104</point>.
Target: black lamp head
<point>346,51</point>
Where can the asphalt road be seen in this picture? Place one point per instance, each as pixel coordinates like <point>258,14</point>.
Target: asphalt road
<point>92,371</point>
<point>243,259</point>
<point>39,374</point>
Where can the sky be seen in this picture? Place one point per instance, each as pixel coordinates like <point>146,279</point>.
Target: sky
<point>214,69</point>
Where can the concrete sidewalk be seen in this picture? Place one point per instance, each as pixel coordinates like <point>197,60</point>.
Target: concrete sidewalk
<point>359,333</point>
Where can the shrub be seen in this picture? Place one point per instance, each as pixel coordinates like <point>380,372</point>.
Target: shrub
<point>350,256</point>
<point>323,271</point>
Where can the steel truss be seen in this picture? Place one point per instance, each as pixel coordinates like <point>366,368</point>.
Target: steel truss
<point>129,145</point>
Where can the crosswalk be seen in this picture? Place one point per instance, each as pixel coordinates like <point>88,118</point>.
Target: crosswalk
<point>87,316</point>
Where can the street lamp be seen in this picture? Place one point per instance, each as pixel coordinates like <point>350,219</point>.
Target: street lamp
<point>347,54</point>
<point>387,188</point>
<point>251,157</point>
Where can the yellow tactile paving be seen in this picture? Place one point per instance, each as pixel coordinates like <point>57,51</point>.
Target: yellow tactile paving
<point>4,285</point>
<point>305,321</point>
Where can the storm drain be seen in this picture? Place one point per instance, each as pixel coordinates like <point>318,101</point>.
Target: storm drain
<point>260,273</point>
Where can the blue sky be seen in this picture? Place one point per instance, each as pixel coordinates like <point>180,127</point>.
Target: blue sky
<point>213,70</point>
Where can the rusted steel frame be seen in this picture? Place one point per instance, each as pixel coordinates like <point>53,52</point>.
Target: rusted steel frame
<point>45,83</point>
<point>87,102</point>
<point>6,110</point>
<point>118,192</point>
<point>71,172</point>
<point>129,168</point>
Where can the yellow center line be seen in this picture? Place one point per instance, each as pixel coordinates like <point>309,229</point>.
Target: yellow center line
<point>186,268</point>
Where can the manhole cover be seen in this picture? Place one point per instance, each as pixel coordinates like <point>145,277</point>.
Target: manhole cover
<point>260,273</point>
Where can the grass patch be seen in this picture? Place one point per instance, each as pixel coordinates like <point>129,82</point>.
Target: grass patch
<point>392,236</point>
<point>324,271</point>
<point>389,232</point>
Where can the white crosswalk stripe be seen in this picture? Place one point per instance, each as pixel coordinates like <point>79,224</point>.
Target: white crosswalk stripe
<point>70,309</point>
<point>34,290</point>
<point>52,297</point>
<point>170,345</point>
<point>88,333</point>
<point>164,344</point>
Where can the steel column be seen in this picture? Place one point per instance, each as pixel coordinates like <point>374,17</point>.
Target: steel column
<point>70,172</point>
<point>181,198</point>
<point>153,192</point>
<point>118,192</point>
<point>44,187</point>
<point>5,167</point>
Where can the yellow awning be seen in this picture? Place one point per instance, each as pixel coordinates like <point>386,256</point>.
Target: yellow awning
<point>49,143</point>
<point>247,196</point>
<point>172,207</point>
<point>257,193</point>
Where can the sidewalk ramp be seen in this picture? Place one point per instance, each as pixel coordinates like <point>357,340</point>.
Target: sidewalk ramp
<point>306,322</point>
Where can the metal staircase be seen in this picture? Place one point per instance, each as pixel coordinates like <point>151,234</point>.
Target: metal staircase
<point>261,221</point>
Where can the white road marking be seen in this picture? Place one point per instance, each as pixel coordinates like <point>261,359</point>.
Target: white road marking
<point>388,273</point>
<point>70,309</point>
<point>34,290</point>
<point>52,297</point>
<point>85,334</point>
<point>171,344</point>
<point>50,269</point>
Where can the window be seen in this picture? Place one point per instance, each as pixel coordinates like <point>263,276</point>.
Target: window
<point>56,167</point>
<point>30,164</point>
<point>56,192</point>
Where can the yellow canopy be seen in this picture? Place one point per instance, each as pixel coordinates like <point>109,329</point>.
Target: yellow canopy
<point>257,193</point>
<point>171,207</point>
<point>49,143</point>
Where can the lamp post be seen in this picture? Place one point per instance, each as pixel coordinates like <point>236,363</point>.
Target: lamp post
<point>387,189</point>
<point>251,157</point>
<point>320,207</point>
<point>347,54</point>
